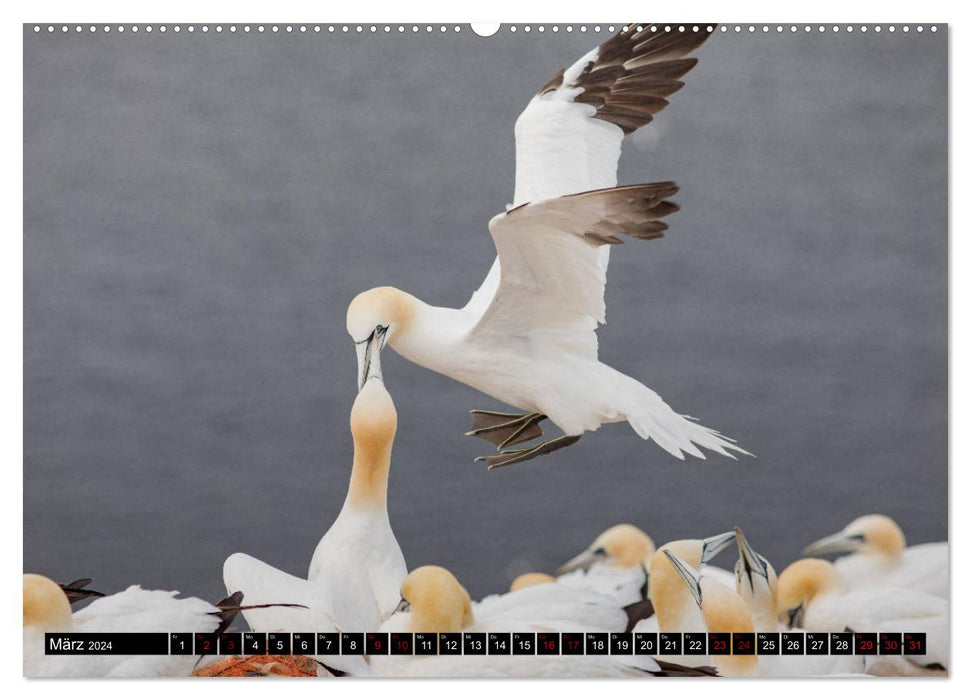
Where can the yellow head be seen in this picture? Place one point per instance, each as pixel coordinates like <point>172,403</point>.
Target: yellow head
<point>802,581</point>
<point>531,579</point>
<point>438,602</point>
<point>45,605</point>
<point>756,583</point>
<point>722,609</point>
<point>376,317</point>
<point>873,534</point>
<point>620,547</point>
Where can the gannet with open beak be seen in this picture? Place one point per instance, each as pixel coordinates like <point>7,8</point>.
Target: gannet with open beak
<point>880,557</point>
<point>757,585</point>
<point>356,571</point>
<point>614,564</point>
<point>813,595</point>
<point>47,608</point>
<point>527,337</point>
<point>434,601</point>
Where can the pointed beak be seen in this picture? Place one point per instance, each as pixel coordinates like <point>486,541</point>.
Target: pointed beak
<point>692,579</point>
<point>581,562</point>
<point>369,357</point>
<point>795,616</point>
<point>751,563</point>
<point>840,542</point>
<point>711,547</point>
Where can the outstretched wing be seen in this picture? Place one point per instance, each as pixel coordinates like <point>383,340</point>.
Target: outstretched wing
<point>552,283</point>
<point>568,138</point>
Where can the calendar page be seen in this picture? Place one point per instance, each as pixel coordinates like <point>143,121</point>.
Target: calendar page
<point>519,350</point>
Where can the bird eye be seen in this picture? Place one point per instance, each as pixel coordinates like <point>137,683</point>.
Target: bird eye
<point>380,329</point>
<point>600,552</point>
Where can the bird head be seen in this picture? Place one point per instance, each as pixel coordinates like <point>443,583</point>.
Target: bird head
<point>436,600</point>
<point>531,579</point>
<point>755,579</point>
<point>868,533</point>
<point>620,547</point>
<point>799,584</point>
<point>45,604</point>
<point>374,318</point>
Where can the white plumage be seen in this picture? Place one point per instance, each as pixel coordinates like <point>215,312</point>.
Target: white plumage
<point>133,610</point>
<point>356,572</point>
<point>527,336</point>
<point>881,558</point>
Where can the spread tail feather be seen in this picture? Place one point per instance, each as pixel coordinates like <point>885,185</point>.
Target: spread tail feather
<point>653,419</point>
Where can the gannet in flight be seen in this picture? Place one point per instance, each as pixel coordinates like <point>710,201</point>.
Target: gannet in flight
<point>814,596</point>
<point>355,575</point>
<point>434,601</point>
<point>47,608</point>
<point>527,337</point>
<point>882,558</point>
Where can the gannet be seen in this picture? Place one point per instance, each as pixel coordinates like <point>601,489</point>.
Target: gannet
<point>674,610</point>
<point>534,578</point>
<point>882,558</point>
<point>614,564</point>
<point>48,609</point>
<point>813,595</point>
<point>756,583</point>
<point>355,576</point>
<point>527,336</point>
<point>722,610</point>
<point>434,601</point>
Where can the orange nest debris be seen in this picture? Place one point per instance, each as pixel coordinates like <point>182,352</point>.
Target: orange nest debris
<point>260,666</point>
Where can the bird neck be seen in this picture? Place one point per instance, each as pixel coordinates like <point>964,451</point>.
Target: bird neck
<point>369,477</point>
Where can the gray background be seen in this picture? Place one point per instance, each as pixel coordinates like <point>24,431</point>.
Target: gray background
<point>199,210</point>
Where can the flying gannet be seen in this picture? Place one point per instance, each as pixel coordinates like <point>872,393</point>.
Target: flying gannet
<point>880,557</point>
<point>355,575</point>
<point>47,608</point>
<point>527,336</point>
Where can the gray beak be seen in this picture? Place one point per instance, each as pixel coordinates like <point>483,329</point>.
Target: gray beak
<point>582,562</point>
<point>750,562</point>
<point>840,542</point>
<point>369,356</point>
<point>711,547</point>
<point>692,579</point>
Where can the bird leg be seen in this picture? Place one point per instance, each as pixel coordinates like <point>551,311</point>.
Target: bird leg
<point>522,455</point>
<point>505,429</point>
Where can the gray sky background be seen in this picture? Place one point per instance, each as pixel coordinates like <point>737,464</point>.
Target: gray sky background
<point>199,210</point>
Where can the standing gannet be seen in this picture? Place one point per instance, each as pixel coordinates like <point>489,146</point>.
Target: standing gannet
<point>722,610</point>
<point>355,575</point>
<point>813,595</point>
<point>527,337</point>
<point>434,601</point>
<point>48,609</point>
<point>882,558</point>
<point>614,564</point>
<point>757,585</point>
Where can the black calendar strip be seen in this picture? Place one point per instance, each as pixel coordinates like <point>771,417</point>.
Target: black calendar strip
<point>490,644</point>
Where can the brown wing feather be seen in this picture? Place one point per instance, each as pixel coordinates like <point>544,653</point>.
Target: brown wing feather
<point>635,70</point>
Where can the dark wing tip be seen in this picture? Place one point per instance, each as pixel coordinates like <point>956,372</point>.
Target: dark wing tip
<point>633,211</point>
<point>636,69</point>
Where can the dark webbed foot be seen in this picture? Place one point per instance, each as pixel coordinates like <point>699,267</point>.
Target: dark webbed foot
<point>508,457</point>
<point>505,429</point>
